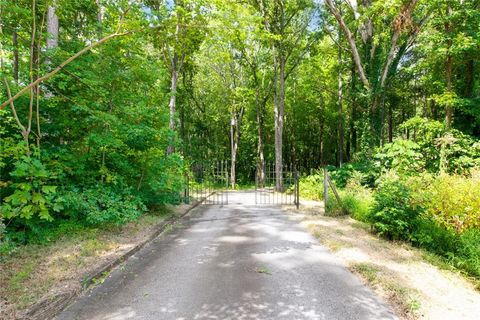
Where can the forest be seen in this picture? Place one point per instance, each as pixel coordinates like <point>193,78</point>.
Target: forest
<point>105,105</point>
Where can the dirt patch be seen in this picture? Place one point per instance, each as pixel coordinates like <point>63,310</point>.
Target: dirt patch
<point>42,274</point>
<point>398,272</point>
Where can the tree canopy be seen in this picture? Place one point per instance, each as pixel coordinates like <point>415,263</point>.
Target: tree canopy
<point>104,104</point>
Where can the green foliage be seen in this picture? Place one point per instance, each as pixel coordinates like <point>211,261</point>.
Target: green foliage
<point>468,252</point>
<point>432,147</point>
<point>453,201</point>
<point>98,155</point>
<point>311,186</point>
<point>358,203</point>
<point>392,214</point>
<point>32,193</point>
<point>430,235</point>
<point>460,250</point>
<point>103,204</point>
<point>403,156</point>
<point>364,173</point>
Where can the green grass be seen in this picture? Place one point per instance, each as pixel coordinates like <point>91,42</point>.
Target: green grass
<point>92,246</point>
<point>367,270</point>
<point>18,278</point>
<point>404,296</point>
<point>73,248</point>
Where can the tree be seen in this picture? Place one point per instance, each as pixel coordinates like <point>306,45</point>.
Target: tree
<point>287,22</point>
<point>379,60</point>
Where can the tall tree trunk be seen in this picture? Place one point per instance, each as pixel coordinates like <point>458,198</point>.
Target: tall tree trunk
<point>234,153</point>
<point>279,118</point>
<point>15,55</point>
<point>236,123</point>
<point>260,146</point>
<point>99,18</point>
<point>352,148</point>
<point>172,105</point>
<point>340,107</point>
<point>52,28</point>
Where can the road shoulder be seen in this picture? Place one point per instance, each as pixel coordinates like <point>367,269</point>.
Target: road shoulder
<point>398,272</point>
<point>42,280</point>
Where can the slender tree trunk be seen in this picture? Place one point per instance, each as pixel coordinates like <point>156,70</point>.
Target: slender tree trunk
<point>234,154</point>
<point>353,115</point>
<point>172,105</point>
<point>260,147</point>
<point>15,56</point>
<point>235,136</point>
<point>52,43</point>
<point>341,133</point>
<point>279,118</point>
<point>52,28</point>
<point>100,18</point>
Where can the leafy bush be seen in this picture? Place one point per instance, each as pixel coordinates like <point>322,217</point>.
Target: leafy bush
<point>453,201</point>
<point>443,150</point>
<point>311,187</point>
<point>462,250</point>
<point>392,214</point>
<point>433,237</point>
<point>468,252</point>
<point>102,204</point>
<point>403,156</point>
<point>364,173</point>
<point>357,202</point>
<point>31,192</point>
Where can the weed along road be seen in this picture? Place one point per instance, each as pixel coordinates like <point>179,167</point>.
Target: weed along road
<point>237,261</point>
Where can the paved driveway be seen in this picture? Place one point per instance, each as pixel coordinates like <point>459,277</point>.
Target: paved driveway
<point>239,261</point>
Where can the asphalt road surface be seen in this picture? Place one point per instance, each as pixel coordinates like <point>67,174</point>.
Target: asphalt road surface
<point>239,261</point>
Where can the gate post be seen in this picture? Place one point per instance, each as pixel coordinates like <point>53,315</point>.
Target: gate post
<point>256,182</point>
<point>297,189</point>
<point>325,189</point>
<point>187,188</point>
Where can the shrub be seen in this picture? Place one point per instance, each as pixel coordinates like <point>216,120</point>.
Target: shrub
<point>433,237</point>
<point>311,187</point>
<point>364,172</point>
<point>356,200</point>
<point>453,201</point>
<point>102,204</point>
<point>468,252</point>
<point>392,214</point>
<point>31,193</point>
<point>442,149</point>
<point>403,156</point>
<point>357,206</point>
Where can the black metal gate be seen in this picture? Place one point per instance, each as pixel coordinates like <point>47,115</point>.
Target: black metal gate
<point>271,191</point>
<point>208,182</point>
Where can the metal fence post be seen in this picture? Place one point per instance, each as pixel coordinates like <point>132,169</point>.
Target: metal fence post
<point>297,189</point>
<point>187,188</point>
<point>325,188</point>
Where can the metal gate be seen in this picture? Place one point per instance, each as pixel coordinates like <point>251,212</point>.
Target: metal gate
<point>271,191</point>
<point>208,182</point>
